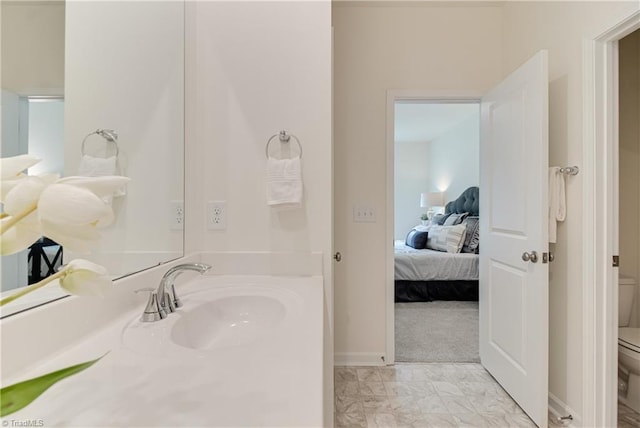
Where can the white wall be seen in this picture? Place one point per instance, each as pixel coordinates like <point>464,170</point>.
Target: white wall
<point>32,46</point>
<point>125,71</point>
<point>454,159</point>
<point>411,172</point>
<point>381,47</point>
<point>14,267</point>
<point>46,135</point>
<point>629,244</point>
<point>14,137</point>
<point>561,27</point>
<point>260,67</point>
<point>430,46</point>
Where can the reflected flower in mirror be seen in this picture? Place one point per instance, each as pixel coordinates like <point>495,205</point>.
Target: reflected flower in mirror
<point>79,277</point>
<point>69,211</point>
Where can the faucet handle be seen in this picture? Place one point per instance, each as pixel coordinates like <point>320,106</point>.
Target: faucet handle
<point>152,311</point>
<point>175,300</point>
<point>166,303</point>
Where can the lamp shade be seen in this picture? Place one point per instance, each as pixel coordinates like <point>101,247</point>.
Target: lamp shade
<point>432,199</point>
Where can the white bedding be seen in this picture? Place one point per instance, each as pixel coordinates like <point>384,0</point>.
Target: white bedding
<point>431,265</point>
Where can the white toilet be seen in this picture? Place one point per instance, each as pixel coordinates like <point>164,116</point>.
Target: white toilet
<point>628,347</point>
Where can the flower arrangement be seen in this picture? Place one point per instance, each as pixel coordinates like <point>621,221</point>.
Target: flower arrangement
<point>69,211</point>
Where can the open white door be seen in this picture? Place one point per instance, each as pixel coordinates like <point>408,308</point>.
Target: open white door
<point>514,295</point>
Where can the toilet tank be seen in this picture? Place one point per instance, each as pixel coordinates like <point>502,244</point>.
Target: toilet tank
<point>627,291</point>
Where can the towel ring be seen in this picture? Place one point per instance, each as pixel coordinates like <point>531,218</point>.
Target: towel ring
<point>108,134</point>
<point>284,138</point>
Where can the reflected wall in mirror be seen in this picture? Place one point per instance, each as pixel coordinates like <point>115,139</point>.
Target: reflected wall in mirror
<point>69,69</point>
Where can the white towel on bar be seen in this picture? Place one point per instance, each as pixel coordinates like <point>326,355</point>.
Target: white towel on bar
<point>284,182</point>
<point>557,201</point>
<point>91,166</point>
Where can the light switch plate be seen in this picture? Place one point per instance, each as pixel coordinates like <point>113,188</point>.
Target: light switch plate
<point>364,214</point>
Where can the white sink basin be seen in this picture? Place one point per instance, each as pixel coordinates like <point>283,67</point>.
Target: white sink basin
<point>228,321</point>
<point>216,319</point>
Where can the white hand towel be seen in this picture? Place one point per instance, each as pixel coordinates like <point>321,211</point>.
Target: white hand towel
<point>284,182</point>
<point>557,201</point>
<point>99,167</point>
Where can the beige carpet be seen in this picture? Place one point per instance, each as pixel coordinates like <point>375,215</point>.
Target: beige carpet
<point>437,332</point>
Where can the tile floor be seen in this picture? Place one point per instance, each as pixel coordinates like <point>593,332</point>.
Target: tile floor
<point>627,417</point>
<point>421,396</point>
<point>432,395</point>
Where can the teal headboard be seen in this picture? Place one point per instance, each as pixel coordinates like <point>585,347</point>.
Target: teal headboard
<point>467,202</point>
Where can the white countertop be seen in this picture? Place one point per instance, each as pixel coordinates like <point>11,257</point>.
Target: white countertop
<point>275,382</point>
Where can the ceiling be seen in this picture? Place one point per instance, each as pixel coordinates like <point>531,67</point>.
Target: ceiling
<point>417,122</point>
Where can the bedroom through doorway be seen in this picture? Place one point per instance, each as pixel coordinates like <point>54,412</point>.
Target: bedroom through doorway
<point>436,230</point>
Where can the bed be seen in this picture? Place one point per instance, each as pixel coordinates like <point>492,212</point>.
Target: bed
<point>424,275</point>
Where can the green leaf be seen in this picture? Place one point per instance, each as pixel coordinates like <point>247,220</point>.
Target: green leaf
<point>19,395</point>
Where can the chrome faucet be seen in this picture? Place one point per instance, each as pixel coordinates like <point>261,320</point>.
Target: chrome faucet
<point>168,301</point>
<point>163,301</point>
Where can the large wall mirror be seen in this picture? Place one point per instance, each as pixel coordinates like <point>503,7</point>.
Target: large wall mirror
<point>97,83</point>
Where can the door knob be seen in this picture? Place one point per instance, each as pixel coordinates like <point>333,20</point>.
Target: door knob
<point>530,257</point>
<point>337,256</point>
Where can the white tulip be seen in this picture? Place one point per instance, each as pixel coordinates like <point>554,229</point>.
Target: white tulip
<point>24,195</point>
<point>77,238</point>
<point>70,214</point>
<point>73,205</point>
<point>84,278</point>
<point>11,172</point>
<point>67,210</point>
<point>21,235</point>
<point>79,277</point>
<point>20,203</point>
<point>12,167</point>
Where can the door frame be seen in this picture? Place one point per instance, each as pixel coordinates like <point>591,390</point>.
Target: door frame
<point>600,222</point>
<point>470,96</point>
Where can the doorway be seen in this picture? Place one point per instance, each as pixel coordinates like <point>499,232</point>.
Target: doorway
<point>436,159</point>
<point>513,228</point>
<point>408,148</point>
<point>629,239</point>
<point>33,124</point>
<point>602,223</point>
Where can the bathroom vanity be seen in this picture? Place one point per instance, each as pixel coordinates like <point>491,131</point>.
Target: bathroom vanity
<point>243,350</point>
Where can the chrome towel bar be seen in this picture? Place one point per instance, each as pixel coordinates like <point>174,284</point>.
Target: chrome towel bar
<point>570,170</point>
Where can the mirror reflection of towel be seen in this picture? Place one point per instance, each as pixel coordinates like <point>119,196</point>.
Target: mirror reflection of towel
<point>99,167</point>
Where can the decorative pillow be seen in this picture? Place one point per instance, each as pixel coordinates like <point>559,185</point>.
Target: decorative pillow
<point>417,239</point>
<point>439,219</point>
<point>472,238</point>
<point>454,219</point>
<point>447,238</point>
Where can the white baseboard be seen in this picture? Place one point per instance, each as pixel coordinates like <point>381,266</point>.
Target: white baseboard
<point>558,409</point>
<point>358,359</point>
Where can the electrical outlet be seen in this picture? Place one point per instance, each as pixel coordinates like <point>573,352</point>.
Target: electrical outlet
<point>216,215</point>
<point>176,212</point>
<point>364,215</point>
